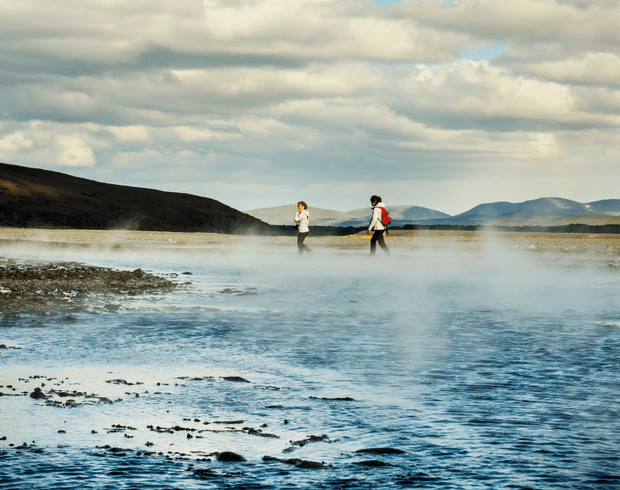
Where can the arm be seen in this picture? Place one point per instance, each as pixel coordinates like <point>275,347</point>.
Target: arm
<point>376,213</point>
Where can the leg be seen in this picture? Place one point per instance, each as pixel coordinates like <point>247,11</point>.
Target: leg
<point>304,246</point>
<point>383,245</point>
<point>300,242</point>
<point>373,241</point>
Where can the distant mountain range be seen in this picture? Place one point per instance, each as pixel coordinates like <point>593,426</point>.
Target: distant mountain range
<point>402,215</point>
<point>496,213</point>
<point>547,207</point>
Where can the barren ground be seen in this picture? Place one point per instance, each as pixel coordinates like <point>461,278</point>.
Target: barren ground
<point>565,243</point>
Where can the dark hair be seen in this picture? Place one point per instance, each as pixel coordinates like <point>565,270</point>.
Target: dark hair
<point>303,204</point>
<point>375,199</point>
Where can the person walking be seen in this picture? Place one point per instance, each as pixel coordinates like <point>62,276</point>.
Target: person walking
<point>376,226</point>
<point>302,218</point>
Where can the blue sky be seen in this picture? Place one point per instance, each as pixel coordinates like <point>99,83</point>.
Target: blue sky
<point>479,53</point>
<point>259,103</point>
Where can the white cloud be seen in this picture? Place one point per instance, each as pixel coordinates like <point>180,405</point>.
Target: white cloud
<point>528,21</point>
<point>11,143</point>
<point>72,151</point>
<point>239,96</point>
<point>487,93</point>
<point>590,68</point>
<point>312,29</point>
<point>131,134</point>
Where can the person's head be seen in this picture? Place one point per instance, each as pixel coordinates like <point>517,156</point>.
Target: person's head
<point>375,199</point>
<point>302,205</point>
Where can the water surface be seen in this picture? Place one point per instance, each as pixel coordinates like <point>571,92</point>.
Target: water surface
<point>490,370</point>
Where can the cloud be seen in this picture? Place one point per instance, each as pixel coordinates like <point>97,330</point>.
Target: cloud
<point>468,94</point>
<point>72,151</point>
<point>584,24</point>
<point>590,68</point>
<point>14,142</point>
<point>274,98</point>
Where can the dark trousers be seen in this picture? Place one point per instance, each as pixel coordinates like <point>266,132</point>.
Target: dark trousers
<point>300,243</point>
<point>377,236</point>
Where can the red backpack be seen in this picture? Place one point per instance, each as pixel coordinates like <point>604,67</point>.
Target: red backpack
<point>386,218</point>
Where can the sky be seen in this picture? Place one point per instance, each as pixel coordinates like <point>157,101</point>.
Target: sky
<point>261,103</point>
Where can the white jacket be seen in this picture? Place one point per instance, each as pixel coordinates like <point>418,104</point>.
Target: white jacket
<point>375,221</point>
<point>303,219</point>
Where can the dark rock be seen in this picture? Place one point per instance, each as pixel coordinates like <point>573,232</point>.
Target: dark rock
<point>259,432</point>
<point>345,399</point>
<point>205,473</point>
<point>300,463</point>
<point>119,450</point>
<point>310,439</point>
<point>229,456</point>
<point>237,379</point>
<point>381,450</point>
<point>119,382</point>
<point>372,463</point>
<point>37,393</point>
<point>308,464</point>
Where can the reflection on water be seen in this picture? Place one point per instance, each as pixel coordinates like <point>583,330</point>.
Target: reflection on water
<point>484,371</point>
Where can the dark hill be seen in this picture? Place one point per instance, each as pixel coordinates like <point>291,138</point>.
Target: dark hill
<point>35,198</point>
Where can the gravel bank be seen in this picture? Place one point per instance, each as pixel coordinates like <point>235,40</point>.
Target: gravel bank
<point>69,287</point>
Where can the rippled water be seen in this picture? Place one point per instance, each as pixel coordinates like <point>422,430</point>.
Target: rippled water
<point>496,369</point>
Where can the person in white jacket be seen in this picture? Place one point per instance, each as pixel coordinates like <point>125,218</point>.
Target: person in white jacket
<point>376,226</point>
<point>302,218</point>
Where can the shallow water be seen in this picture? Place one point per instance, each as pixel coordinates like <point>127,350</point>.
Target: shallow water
<point>489,370</point>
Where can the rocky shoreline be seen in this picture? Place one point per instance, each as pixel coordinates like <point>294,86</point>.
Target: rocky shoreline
<point>68,287</point>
